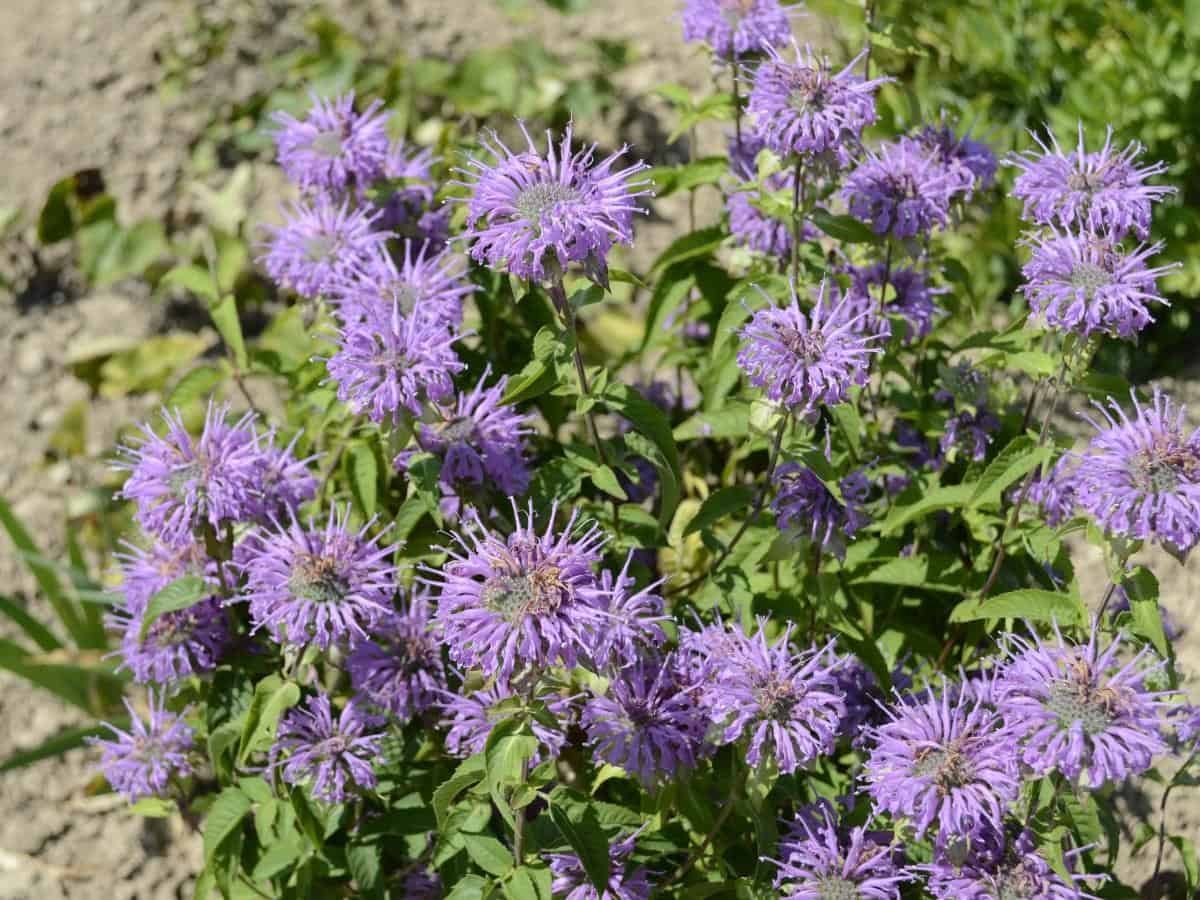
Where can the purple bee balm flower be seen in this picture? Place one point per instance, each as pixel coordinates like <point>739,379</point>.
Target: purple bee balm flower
<point>625,881</point>
<point>785,703</point>
<point>146,571</point>
<point>409,212</point>
<point>900,190</point>
<point>533,215</point>
<point>1101,192</point>
<point>805,360</point>
<point>142,762</point>
<point>818,862</point>
<point>803,107</point>
<point>470,718</point>
<point>426,281</point>
<point>422,884</point>
<point>179,483</point>
<point>909,296</point>
<point>526,600</point>
<point>972,164</point>
<point>177,644</point>
<point>388,364</point>
<point>1081,710</point>
<point>1139,478</point>
<point>942,763</point>
<point>646,723</point>
<point>334,757</point>
<point>1000,862</point>
<point>632,621</point>
<point>320,244</point>
<point>803,503</point>
<point>735,28</point>
<point>323,585</point>
<point>333,149</point>
<point>479,439</point>
<point>282,482</point>
<point>1090,285</point>
<point>753,228</point>
<point>399,668</point>
<point>1052,492</point>
<point>863,697</point>
<point>970,432</point>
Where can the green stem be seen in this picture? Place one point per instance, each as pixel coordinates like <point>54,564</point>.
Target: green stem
<point>797,218</point>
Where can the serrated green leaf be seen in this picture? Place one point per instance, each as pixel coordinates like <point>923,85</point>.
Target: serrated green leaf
<point>694,245</point>
<point>843,228</point>
<point>266,722</point>
<point>650,421</point>
<point>606,480</point>
<point>365,862</point>
<point>582,831</point>
<point>223,819</point>
<point>488,853</point>
<point>1026,603</point>
<point>469,887</point>
<point>195,385</point>
<point>179,594</point>
<point>935,500</point>
<point>731,421</point>
<point>280,855</point>
<point>1018,458</point>
<point>469,773</point>
<point>720,504</point>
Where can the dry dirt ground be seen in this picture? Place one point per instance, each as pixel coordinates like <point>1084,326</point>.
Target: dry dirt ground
<point>79,88</point>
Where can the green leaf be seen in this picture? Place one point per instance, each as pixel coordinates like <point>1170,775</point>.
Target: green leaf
<point>843,228</point>
<point>195,385</point>
<point>587,839</point>
<point>109,252</point>
<point>1026,603</point>
<point>265,723</point>
<point>935,500</point>
<point>733,420</point>
<point>650,421</point>
<point>469,887</point>
<point>1142,588</point>
<point>58,744</point>
<point>606,480</point>
<point>691,246</point>
<point>488,853</point>
<point>528,883</point>
<point>1016,460</point>
<point>179,594</point>
<point>469,773</point>
<point>223,819</point>
<point>364,477</point>
<point>365,862</point>
<point>669,293</point>
<point>35,630</point>
<point>720,504</point>
<point>1187,852</point>
<point>43,573</point>
<point>154,808</point>
<point>532,381</point>
<point>193,279</point>
<point>280,855</point>
<point>670,179</point>
<point>56,220</point>
<point>225,316</point>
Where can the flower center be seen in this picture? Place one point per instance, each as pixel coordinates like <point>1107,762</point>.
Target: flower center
<point>187,479</point>
<point>1089,278</point>
<point>1074,700</point>
<point>1159,469</point>
<point>808,92</point>
<point>328,143</point>
<point>1014,883</point>
<point>947,767</point>
<point>1084,182</point>
<point>808,345</point>
<point>320,247</point>
<point>536,201</point>
<point>777,699</point>
<point>317,579</point>
<point>534,593</point>
<point>171,630</point>
<point>458,430</point>
<point>833,888</point>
